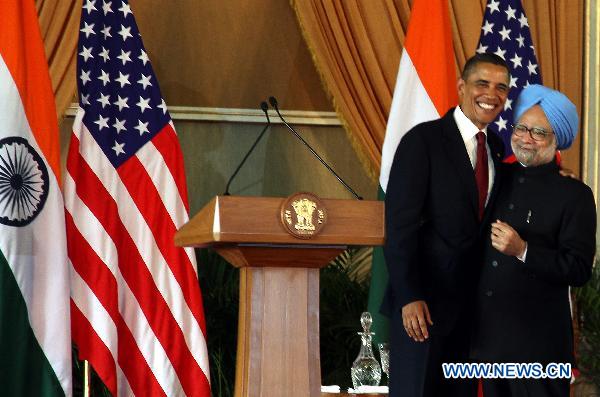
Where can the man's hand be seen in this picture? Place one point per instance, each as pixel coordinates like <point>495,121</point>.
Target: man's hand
<point>567,172</point>
<point>506,239</point>
<point>415,317</point>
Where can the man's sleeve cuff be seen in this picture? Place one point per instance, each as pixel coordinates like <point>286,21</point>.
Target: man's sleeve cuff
<point>522,257</point>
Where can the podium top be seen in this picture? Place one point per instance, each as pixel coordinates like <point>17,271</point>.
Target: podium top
<point>257,220</point>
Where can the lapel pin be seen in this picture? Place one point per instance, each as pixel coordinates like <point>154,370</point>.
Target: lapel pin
<point>528,216</point>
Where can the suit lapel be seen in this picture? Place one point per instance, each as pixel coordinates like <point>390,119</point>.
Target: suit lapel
<point>457,154</point>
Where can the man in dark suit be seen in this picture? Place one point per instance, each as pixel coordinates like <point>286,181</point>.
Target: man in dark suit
<point>440,182</point>
<point>541,241</point>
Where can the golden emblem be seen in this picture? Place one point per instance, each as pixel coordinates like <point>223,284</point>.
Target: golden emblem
<point>303,215</point>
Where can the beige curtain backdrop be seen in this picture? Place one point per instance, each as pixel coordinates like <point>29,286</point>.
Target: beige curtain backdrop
<point>356,46</point>
<point>59,24</point>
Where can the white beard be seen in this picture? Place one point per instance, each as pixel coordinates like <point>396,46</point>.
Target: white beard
<point>533,157</point>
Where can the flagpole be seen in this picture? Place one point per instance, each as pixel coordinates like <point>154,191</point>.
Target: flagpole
<point>86,379</point>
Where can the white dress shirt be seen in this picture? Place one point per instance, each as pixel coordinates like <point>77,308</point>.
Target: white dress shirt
<point>468,131</point>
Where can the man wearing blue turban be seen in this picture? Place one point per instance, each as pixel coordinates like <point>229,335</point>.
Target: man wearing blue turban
<point>542,241</point>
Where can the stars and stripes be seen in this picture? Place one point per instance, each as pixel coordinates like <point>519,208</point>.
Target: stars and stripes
<point>115,73</point>
<point>505,32</point>
<point>136,304</point>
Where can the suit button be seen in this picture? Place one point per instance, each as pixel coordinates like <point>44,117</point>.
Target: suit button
<point>495,263</point>
<point>489,293</point>
<point>521,179</point>
<point>511,206</point>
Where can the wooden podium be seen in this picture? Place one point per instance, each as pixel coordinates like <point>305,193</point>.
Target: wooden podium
<point>278,330</point>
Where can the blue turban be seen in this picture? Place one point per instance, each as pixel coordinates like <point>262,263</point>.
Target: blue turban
<point>559,110</point>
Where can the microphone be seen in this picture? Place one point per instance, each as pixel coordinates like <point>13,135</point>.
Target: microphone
<point>273,103</point>
<point>265,109</point>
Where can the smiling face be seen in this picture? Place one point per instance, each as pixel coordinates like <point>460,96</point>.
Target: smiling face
<point>483,94</point>
<point>528,151</point>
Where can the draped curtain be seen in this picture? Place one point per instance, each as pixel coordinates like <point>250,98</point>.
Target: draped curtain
<point>59,24</point>
<point>356,46</point>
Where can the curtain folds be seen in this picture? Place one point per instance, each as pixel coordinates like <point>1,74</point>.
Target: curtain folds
<point>59,24</point>
<point>356,46</point>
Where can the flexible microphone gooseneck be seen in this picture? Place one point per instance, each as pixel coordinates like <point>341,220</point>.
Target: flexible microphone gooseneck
<point>275,106</point>
<point>265,109</point>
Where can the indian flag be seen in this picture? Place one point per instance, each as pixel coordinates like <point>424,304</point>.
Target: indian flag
<point>425,90</point>
<point>35,340</point>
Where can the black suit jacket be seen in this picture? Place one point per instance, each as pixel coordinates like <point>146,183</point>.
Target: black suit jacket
<point>432,225</point>
<point>523,312</point>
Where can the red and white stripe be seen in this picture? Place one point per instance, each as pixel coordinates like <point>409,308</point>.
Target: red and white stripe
<point>137,307</point>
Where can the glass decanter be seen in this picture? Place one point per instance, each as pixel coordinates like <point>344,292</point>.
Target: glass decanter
<point>365,371</point>
<point>384,356</point>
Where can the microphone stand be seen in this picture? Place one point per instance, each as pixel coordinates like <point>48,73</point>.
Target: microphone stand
<point>265,109</point>
<point>273,103</point>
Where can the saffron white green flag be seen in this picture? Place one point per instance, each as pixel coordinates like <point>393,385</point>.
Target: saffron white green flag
<point>35,341</point>
<point>425,90</point>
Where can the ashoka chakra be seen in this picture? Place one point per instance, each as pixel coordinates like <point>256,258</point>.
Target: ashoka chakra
<point>23,182</point>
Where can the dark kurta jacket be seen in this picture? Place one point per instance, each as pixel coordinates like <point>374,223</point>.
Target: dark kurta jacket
<point>432,225</point>
<point>523,312</point>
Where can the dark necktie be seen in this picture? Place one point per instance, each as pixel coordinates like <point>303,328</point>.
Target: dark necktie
<point>481,172</point>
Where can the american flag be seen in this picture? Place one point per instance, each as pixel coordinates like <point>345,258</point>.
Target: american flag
<point>136,305</point>
<point>505,32</point>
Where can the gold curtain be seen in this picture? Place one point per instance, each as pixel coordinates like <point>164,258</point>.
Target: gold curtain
<point>356,46</point>
<point>59,24</point>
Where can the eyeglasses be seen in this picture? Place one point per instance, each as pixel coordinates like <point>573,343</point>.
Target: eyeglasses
<point>536,133</point>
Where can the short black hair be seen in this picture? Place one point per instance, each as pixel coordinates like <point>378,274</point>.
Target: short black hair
<point>485,57</point>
